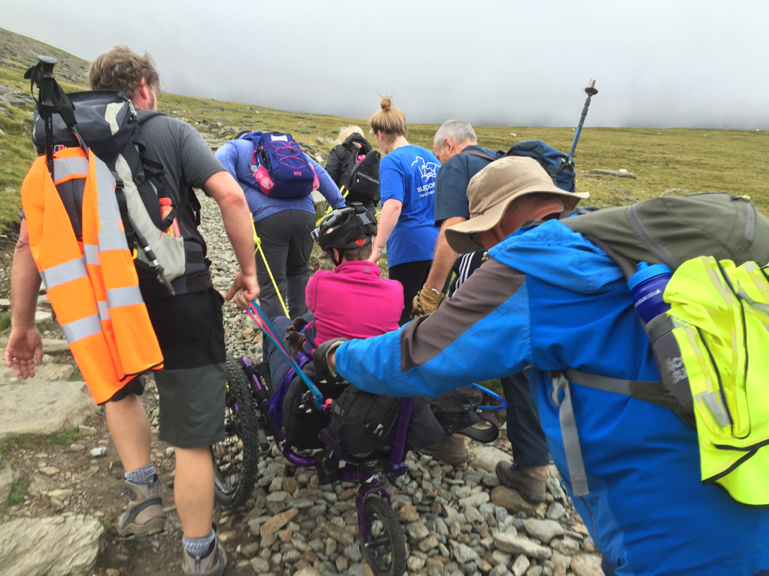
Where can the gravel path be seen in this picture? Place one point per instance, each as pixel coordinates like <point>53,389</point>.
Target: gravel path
<point>458,521</point>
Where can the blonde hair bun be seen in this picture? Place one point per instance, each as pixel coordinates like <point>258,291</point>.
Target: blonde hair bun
<point>387,103</point>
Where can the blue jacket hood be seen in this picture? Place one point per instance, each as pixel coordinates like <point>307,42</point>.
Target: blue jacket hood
<point>555,254</point>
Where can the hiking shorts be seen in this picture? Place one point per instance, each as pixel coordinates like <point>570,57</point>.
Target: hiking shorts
<point>135,386</point>
<point>192,384</point>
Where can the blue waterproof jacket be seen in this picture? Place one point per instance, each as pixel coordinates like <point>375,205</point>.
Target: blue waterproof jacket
<point>551,300</point>
<point>236,155</point>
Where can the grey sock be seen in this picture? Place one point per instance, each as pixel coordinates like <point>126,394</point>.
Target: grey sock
<point>199,547</point>
<point>143,475</point>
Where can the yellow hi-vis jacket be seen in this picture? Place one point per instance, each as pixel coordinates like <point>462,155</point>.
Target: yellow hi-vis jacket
<point>92,285</point>
<point>721,314</point>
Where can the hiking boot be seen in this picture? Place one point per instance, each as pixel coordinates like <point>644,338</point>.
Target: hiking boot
<point>450,450</point>
<point>211,565</point>
<point>530,485</point>
<point>144,516</point>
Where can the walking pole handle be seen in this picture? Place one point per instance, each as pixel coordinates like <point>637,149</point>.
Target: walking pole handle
<point>47,106</point>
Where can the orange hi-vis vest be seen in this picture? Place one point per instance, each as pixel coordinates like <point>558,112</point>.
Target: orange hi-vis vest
<point>92,285</point>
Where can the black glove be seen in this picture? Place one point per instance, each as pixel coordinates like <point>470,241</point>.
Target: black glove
<point>320,359</point>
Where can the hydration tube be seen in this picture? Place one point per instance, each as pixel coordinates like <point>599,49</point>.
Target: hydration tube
<point>494,395</point>
<point>267,328</point>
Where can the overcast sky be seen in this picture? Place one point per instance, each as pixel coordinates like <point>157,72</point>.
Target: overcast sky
<point>658,63</point>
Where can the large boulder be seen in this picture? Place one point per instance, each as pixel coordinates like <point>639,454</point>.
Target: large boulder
<point>43,407</point>
<point>59,546</point>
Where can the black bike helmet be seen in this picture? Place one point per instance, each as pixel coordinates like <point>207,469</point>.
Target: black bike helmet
<point>343,228</point>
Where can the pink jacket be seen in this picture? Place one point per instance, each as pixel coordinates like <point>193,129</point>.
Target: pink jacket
<point>352,302</point>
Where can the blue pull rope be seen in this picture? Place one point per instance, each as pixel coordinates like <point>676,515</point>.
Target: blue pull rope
<point>270,332</point>
<point>494,395</point>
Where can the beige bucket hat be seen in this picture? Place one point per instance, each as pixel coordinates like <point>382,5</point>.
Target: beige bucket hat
<point>493,189</point>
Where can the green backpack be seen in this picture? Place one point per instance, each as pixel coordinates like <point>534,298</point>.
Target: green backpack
<point>712,346</point>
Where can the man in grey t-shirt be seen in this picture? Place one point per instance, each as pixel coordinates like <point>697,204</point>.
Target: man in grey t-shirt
<point>188,327</point>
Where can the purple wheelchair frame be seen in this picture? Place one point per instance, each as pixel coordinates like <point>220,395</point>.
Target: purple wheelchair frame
<point>393,465</point>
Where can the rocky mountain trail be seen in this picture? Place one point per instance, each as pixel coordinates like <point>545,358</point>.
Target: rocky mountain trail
<point>457,521</point>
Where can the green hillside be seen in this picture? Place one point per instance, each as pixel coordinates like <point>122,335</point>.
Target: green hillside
<point>672,160</point>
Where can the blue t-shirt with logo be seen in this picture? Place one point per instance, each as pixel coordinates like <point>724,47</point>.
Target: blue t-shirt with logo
<point>408,174</point>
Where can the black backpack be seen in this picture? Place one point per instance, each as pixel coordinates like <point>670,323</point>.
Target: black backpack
<point>363,185</point>
<point>366,423</point>
<point>301,421</point>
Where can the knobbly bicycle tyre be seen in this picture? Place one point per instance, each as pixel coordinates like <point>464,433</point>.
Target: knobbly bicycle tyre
<point>240,425</point>
<point>390,541</point>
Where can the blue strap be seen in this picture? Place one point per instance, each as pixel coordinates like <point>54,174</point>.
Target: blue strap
<point>281,347</point>
<point>494,395</point>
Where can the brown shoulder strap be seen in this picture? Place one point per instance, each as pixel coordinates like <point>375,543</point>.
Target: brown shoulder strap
<point>479,154</point>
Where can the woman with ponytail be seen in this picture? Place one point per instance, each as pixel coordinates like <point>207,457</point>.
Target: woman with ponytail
<point>407,182</point>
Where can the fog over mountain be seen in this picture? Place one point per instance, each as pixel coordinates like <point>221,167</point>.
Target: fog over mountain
<point>698,64</point>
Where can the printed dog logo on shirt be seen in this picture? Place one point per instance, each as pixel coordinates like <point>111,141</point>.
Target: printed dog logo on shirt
<point>428,171</point>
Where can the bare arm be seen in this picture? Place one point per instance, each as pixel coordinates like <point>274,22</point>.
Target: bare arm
<point>223,188</point>
<point>391,211</point>
<point>444,257</point>
<point>25,347</point>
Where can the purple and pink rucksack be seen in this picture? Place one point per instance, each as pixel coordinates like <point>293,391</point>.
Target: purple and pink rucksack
<point>279,166</point>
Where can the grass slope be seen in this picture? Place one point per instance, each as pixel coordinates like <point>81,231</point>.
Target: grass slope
<point>731,161</point>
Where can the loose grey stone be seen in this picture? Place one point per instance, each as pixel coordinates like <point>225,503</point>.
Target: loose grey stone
<point>520,565</point>
<point>566,546</point>
<point>417,531</point>
<point>98,452</point>
<point>414,563</point>
<point>260,565</point>
<point>615,173</point>
<point>353,552</point>
<point>557,559</point>
<point>428,543</point>
<point>499,570</point>
<point>521,545</point>
<point>337,533</point>
<point>475,500</point>
<point>498,557</point>
<point>555,511</point>
<point>463,553</point>
<point>473,515</point>
<point>441,528</point>
<point>291,556</point>
<point>542,530</point>
<point>317,511</point>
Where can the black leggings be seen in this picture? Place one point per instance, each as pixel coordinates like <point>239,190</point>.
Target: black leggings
<point>412,276</point>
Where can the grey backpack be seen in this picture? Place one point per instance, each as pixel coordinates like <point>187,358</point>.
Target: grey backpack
<point>108,124</point>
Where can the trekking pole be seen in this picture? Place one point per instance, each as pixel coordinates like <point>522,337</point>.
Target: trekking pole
<point>47,106</point>
<point>590,91</point>
<point>157,269</point>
